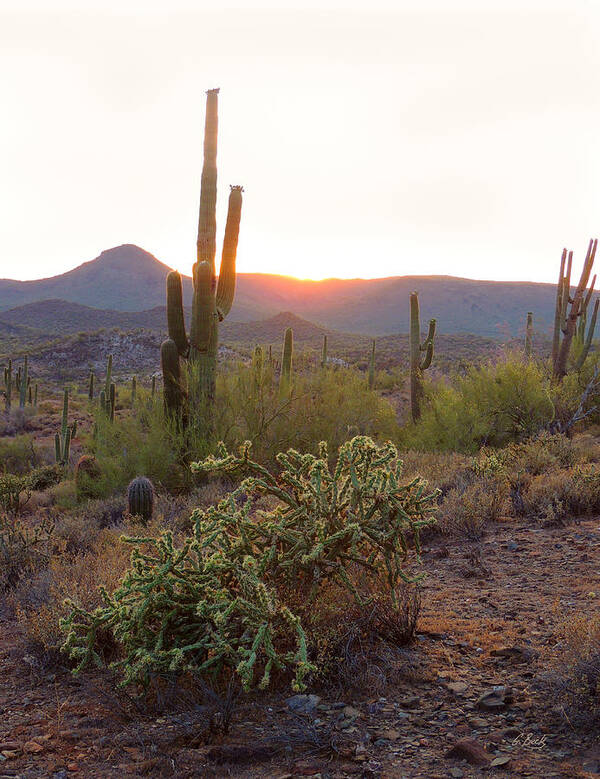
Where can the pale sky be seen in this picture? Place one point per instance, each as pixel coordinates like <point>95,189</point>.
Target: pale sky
<point>372,138</point>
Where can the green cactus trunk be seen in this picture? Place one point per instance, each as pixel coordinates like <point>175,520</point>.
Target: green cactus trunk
<point>371,380</point>
<point>8,384</point>
<point>212,299</point>
<point>35,396</point>
<point>257,372</point>
<point>23,384</point>
<point>91,386</point>
<point>285,379</point>
<point>62,440</point>
<point>529,336</point>
<point>133,391</point>
<point>108,381</point>
<point>571,314</point>
<point>324,353</point>
<point>418,365</point>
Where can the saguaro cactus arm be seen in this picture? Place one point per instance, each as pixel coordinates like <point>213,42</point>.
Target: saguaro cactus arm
<point>226,285</point>
<point>560,366</point>
<point>207,221</point>
<point>175,318</point>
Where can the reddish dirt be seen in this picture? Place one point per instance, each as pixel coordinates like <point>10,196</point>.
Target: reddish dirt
<point>506,593</point>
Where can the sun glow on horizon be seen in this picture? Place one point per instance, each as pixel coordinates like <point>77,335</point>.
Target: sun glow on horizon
<point>392,139</point>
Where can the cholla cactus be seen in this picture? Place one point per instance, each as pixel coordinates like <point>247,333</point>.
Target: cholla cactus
<point>218,601</point>
<point>418,365</point>
<point>212,300</point>
<point>62,440</point>
<point>570,323</point>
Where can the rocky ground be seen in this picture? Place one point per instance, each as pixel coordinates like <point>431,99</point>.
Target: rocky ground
<point>466,700</point>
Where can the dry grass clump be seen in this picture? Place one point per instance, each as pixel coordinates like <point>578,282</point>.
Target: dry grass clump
<point>77,577</point>
<point>575,678</point>
<point>442,470</point>
<point>357,647</point>
<point>467,511</point>
<point>558,495</point>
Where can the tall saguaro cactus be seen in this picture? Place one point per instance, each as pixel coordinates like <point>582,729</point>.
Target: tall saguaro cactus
<point>62,440</point>
<point>418,364</point>
<point>529,335</point>
<point>212,299</point>
<point>371,379</point>
<point>570,318</point>
<point>285,378</point>
<point>8,384</point>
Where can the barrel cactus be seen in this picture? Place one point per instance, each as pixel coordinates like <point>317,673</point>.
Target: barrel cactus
<point>140,498</point>
<point>212,299</point>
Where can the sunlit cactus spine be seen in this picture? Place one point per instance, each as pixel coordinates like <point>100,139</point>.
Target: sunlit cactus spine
<point>418,364</point>
<point>371,379</point>
<point>570,317</point>
<point>212,299</point>
<point>140,498</point>
<point>324,352</point>
<point>8,384</point>
<point>529,335</point>
<point>62,440</point>
<point>285,379</point>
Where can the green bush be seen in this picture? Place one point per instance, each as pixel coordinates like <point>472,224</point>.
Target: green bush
<point>14,492</point>
<point>238,593</point>
<point>492,405</point>
<point>17,454</point>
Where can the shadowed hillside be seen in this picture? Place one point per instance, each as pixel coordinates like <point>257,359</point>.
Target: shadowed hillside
<point>129,279</point>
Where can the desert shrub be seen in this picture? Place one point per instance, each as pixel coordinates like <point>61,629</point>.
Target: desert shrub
<point>22,549</point>
<point>562,494</point>
<point>43,477</point>
<point>442,470</point>
<point>17,455</point>
<point>78,578</point>
<point>574,680</point>
<point>218,601</point>
<point>79,529</point>
<point>467,511</point>
<point>325,405</point>
<point>491,405</point>
<point>14,492</point>
<point>87,476</point>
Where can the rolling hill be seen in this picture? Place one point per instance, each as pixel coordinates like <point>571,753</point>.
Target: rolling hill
<point>131,281</point>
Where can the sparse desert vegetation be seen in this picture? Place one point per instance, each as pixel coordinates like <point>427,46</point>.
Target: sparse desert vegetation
<point>322,555</point>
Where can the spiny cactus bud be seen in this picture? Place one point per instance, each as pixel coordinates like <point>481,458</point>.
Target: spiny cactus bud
<point>140,498</point>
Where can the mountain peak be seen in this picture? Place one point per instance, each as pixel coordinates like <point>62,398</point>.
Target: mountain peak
<point>127,256</point>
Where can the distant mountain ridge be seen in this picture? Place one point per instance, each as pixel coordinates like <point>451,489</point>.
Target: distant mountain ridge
<point>127,284</point>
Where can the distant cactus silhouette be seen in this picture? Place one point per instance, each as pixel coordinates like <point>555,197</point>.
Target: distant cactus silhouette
<point>570,317</point>
<point>529,335</point>
<point>285,378</point>
<point>62,440</point>
<point>371,380</point>
<point>418,365</point>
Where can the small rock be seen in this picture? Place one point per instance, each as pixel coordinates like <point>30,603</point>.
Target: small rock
<point>411,702</point>
<point>351,713</point>
<point>33,747</point>
<point>303,704</point>
<point>470,750</point>
<point>495,698</point>
<point>501,762</point>
<point>456,773</point>
<point>457,687</point>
